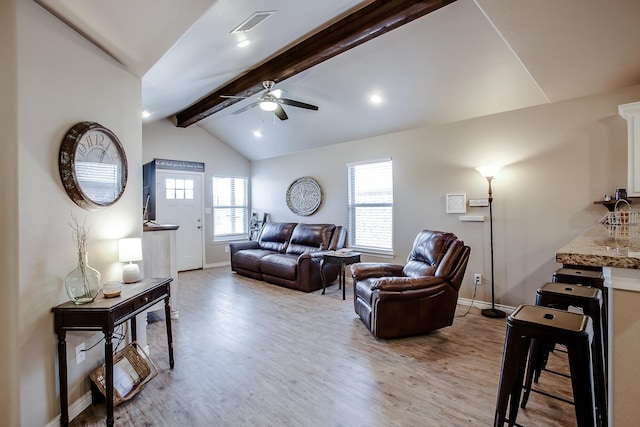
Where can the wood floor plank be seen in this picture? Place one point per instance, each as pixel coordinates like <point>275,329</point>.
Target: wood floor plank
<point>253,354</point>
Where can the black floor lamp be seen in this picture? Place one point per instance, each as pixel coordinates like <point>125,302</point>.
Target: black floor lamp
<point>490,172</point>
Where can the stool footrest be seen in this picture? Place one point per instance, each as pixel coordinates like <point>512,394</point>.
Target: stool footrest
<point>560,374</point>
<point>553,396</point>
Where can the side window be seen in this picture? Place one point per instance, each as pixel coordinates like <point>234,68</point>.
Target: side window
<point>230,208</point>
<point>370,206</point>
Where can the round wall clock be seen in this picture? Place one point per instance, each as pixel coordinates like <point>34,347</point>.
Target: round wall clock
<point>304,196</point>
<point>93,165</point>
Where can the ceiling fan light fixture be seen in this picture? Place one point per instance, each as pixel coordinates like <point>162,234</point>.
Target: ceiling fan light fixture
<point>268,105</point>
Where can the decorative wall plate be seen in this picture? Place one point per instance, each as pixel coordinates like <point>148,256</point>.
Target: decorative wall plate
<point>304,196</point>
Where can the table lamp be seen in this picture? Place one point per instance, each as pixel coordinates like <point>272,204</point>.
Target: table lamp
<point>130,250</point>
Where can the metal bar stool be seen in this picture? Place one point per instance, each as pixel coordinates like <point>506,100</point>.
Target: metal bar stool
<point>573,330</point>
<point>561,296</point>
<point>587,276</point>
<point>580,276</point>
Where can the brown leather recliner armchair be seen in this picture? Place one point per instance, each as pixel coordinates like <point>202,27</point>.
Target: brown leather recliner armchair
<point>396,301</point>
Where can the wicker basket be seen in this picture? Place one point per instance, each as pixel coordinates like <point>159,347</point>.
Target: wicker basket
<point>623,224</point>
<point>132,369</point>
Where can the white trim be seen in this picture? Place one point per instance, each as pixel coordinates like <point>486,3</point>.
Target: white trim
<point>75,409</point>
<point>482,305</point>
<point>218,264</point>
<point>365,162</point>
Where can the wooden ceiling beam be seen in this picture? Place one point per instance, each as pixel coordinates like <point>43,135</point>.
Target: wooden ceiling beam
<point>373,20</point>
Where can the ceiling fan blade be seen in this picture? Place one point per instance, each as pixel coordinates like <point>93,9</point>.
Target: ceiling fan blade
<point>280,113</point>
<point>297,104</point>
<point>246,107</point>
<point>235,97</point>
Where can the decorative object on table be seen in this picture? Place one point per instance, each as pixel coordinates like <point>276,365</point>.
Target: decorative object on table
<point>621,194</point>
<point>607,198</point>
<point>457,203</point>
<point>112,289</point>
<point>490,172</point>
<point>130,250</point>
<point>304,196</point>
<point>254,227</point>
<point>132,369</point>
<point>83,283</point>
<point>92,165</point>
<point>623,224</point>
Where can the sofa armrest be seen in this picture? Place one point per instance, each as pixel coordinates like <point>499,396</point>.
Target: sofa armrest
<point>366,270</point>
<point>238,246</point>
<point>400,284</point>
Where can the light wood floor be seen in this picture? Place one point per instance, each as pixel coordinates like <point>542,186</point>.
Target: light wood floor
<point>253,354</point>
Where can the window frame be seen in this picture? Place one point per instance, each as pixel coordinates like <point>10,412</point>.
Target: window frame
<point>351,209</point>
<point>244,234</point>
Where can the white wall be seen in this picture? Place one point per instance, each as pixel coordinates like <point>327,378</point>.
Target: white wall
<point>163,140</point>
<point>559,158</point>
<point>63,79</point>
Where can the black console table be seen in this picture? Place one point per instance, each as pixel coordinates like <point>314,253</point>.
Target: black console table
<point>104,314</point>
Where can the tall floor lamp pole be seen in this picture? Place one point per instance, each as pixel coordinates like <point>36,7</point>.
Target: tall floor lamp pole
<point>490,173</point>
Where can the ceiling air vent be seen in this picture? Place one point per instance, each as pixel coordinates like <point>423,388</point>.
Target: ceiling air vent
<point>250,23</point>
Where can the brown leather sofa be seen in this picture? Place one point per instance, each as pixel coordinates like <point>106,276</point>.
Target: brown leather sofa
<point>289,254</point>
<point>396,301</point>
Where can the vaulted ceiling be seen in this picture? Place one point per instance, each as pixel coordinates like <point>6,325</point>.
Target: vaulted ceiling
<point>464,60</point>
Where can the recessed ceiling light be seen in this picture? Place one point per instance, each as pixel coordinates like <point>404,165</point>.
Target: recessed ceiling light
<point>145,114</point>
<point>376,99</point>
<point>243,43</point>
<point>257,133</point>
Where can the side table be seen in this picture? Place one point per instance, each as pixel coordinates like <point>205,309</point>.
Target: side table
<point>341,259</point>
<point>104,314</point>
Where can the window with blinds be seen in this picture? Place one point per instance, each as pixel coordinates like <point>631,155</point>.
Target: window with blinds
<point>370,206</point>
<point>230,208</point>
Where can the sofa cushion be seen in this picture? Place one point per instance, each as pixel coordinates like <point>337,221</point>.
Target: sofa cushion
<point>280,265</point>
<point>249,259</point>
<point>275,236</point>
<point>310,238</point>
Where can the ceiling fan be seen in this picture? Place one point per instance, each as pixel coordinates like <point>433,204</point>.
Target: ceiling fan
<point>271,101</point>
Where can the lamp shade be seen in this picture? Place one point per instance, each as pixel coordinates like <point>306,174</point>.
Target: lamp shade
<point>489,170</point>
<point>130,249</point>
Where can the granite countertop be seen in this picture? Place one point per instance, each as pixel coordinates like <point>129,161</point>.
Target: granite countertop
<point>597,247</point>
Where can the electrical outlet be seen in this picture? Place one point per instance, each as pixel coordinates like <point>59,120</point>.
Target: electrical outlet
<point>477,279</point>
<point>80,356</point>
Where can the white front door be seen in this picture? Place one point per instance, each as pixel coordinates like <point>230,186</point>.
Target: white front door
<point>179,202</point>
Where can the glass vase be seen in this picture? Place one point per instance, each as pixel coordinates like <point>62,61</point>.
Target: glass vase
<point>83,283</point>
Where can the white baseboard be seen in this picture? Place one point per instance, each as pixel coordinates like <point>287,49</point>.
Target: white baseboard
<point>482,305</point>
<point>74,409</point>
<point>79,405</point>
<point>218,264</point>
